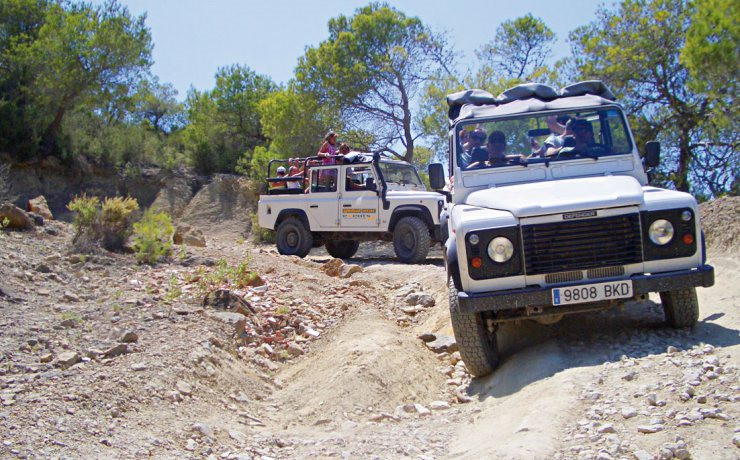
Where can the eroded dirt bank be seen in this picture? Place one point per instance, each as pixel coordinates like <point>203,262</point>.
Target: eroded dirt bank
<point>100,357</point>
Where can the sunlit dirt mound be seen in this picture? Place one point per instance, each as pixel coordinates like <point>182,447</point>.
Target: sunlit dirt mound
<point>720,221</point>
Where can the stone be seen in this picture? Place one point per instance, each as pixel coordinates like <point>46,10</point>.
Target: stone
<point>43,268</point>
<point>421,410</point>
<point>443,343</point>
<point>129,337</point>
<point>184,388</point>
<point>650,429</point>
<point>191,445</point>
<point>642,455</point>
<point>237,320</point>
<point>294,349</point>
<point>68,358</point>
<point>736,440</point>
<point>189,236</point>
<point>671,349</point>
<point>682,454</point>
<point>137,367</point>
<point>427,337</point>
<point>333,267</point>
<point>46,358</point>
<point>39,206</point>
<point>629,376</point>
<point>425,300</point>
<point>652,399</point>
<point>203,429</point>
<point>439,405</point>
<point>238,436</point>
<point>347,270</point>
<point>17,218</point>
<point>606,428</point>
<point>116,350</point>
<point>68,295</point>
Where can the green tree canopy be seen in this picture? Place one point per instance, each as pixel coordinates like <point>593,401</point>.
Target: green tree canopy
<point>370,71</point>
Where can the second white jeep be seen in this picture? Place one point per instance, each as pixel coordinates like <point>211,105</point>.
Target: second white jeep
<point>372,198</point>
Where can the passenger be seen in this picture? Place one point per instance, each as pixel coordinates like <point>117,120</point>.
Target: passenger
<point>328,148</point>
<point>476,138</point>
<point>343,149</point>
<point>583,134</point>
<point>279,184</point>
<point>557,126</point>
<point>494,151</point>
<point>293,171</point>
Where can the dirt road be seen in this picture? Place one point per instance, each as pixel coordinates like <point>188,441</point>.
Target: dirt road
<point>355,381</point>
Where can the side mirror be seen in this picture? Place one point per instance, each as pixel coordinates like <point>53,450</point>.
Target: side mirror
<point>370,184</point>
<point>436,176</point>
<point>652,154</point>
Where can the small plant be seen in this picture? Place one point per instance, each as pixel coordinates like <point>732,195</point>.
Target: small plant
<point>86,210</point>
<point>5,223</point>
<point>240,240</point>
<point>241,275</point>
<point>259,234</point>
<point>115,221</point>
<point>173,292</point>
<point>153,237</point>
<point>283,310</point>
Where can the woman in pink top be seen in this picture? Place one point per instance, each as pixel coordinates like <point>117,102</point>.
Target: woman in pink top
<point>328,148</point>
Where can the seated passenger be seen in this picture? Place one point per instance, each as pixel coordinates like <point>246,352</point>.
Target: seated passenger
<point>582,133</point>
<point>495,149</point>
<point>279,184</point>
<point>558,130</point>
<point>294,172</point>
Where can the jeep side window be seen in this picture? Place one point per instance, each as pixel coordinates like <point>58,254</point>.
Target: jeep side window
<point>323,180</point>
<point>357,178</point>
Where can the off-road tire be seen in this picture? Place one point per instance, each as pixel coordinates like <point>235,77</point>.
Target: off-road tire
<point>343,249</point>
<point>293,238</point>
<point>411,240</point>
<point>681,307</point>
<point>478,346</point>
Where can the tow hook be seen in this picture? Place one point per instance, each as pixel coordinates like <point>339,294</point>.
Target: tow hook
<point>534,310</point>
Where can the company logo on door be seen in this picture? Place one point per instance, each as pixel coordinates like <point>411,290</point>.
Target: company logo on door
<point>579,214</point>
<point>359,213</point>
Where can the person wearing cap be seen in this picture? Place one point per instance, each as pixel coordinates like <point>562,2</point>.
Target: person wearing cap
<point>495,152</point>
<point>280,174</point>
<point>582,133</point>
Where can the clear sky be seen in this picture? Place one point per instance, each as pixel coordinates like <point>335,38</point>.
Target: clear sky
<point>193,38</point>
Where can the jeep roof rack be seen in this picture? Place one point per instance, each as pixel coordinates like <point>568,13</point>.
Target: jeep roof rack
<point>538,92</point>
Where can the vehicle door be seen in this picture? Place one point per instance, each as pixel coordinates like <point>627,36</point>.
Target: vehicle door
<point>322,203</point>
<point>358,205</point>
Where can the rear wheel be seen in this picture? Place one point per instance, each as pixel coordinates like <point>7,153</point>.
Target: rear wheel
<point>293,238</point>
<point>681,307</point>
<point>477,344</point>
<point>343,249</point>
<point>411,240</point>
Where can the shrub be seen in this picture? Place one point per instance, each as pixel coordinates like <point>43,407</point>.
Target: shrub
<point>85,209</point>
<point>115,221</point>
<point>259,234</point>
<point>153,236</point>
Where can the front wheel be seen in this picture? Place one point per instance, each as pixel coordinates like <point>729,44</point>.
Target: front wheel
<point>681,307</point>
<point>477,343</point>
<point>293,238</point>
<point>343,249</point>
<point>411,240</point>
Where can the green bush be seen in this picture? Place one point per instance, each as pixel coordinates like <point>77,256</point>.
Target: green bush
<point>86,210</point>
<point>259,234</point>
<point>115,221</point>
<point>153,236</point>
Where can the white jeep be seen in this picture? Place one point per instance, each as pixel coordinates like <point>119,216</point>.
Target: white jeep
<point>550,219</point>
<point>372,198</point>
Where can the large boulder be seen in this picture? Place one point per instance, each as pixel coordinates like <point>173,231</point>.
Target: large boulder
<point>173,197</point>
<point>17,218</point>
<point>39,206</point>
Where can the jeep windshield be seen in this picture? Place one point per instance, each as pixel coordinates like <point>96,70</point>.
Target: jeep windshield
<point>542,138</point>
<point>400,173</point>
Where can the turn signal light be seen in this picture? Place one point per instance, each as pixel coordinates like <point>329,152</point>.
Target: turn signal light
<point>688,238</point>
<point>476,262</point>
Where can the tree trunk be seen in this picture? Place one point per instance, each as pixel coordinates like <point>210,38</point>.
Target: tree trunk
<point>50,137</point>
<point>684,158</point>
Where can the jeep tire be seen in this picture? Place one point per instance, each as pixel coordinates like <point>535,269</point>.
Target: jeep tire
<point>478,345</point>
<point>343,249</point>
<point>411,240</point>
<point>293,238</point>
<point>681,307</point>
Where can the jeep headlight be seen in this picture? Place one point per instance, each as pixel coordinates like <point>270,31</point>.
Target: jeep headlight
<point>500,249</point>
<point>661,232</point>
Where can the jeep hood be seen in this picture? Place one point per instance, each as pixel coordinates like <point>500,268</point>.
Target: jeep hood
<point>558,196</point>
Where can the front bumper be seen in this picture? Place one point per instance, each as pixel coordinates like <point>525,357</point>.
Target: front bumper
<point>537,296</point>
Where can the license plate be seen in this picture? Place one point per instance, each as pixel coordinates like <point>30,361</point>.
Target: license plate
<point>592,292</point>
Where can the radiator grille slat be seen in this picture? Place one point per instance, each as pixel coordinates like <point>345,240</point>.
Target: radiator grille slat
<point>583,244</point>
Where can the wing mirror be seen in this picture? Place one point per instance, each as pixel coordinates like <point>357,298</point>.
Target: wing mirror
<point>652,154</point>
<point>370,184</point>
<point>436,176</point>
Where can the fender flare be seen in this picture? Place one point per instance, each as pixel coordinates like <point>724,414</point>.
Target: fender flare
<point>285,213</point>
<point>451,263</point>
<point>426,216</point>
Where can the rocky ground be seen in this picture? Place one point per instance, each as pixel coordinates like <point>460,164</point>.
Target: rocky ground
<point>101,357</point>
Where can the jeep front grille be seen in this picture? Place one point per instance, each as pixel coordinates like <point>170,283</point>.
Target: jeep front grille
<point>582,244</point>
<point>564,277</point>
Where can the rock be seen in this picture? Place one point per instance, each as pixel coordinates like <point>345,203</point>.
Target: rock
<point>425,300</point>
<point>137,367</point>
<point>116,350</point>
<point>629,376</point>
<point>202,428</point>
<point>238,436</point>
<point>439,405</point>
<point>294,349</point>
<point>652,399</point>
<point>237,320</point>
<point>736,440</point>
<point>443,343</point>
<point>671,350</point>
<point>606,428</point>
<point>642,455</point>
<point>649,429</point>
<point>129,337</point>
<point>629,412</point>
<point>37,219</point>
<point>190,236</point>
<point>17,218</point>
<point>68,358</point>
<point>333,267</point>
<point>46,358</point>
<point>43,268</point>
<point>39,206</point>
<point>421,410</point>
<point>191,445</point>
<point>682,454</point>
<point>70,296</point>
<point>427,337</point>
<point>347,270</point>
<point>184,388</point>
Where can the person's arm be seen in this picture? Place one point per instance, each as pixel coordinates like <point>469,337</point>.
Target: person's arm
<point>324,150</point>
<point>554,126</point>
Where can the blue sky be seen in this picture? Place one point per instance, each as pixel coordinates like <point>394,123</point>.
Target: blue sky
<point>193,38</point>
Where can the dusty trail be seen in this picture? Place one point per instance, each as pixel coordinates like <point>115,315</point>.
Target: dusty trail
<point>560,391</point>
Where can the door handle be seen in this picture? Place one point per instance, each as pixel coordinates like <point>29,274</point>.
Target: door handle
<point>314,206</point>
<point>346,205</point>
